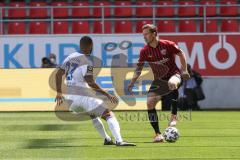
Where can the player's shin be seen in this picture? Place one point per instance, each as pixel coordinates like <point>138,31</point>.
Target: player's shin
<point>153,118</point>
<point>97,123</point>
<point>174,105</point>
<point>174,97</point>
<point>114,128</point>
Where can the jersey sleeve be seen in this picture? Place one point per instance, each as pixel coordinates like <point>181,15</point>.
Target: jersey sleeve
<point>87,69</point>
<point>141,59</point>
<point>174,48</point>
<point>64,64</point>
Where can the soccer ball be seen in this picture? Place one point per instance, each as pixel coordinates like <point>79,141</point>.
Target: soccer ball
<point>171,134</point>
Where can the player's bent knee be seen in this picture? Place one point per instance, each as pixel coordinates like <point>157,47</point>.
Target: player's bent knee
<point>151,102</point>
<point>106,114</point>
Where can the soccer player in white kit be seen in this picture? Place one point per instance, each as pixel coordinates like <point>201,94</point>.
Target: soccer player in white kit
<point>81,89</point>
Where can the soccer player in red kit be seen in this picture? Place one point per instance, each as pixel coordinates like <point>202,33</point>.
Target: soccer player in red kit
<point>160,55</point>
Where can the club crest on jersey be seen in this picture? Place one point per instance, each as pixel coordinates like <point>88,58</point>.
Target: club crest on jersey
<point>163,52</point>
<point>89,68</point>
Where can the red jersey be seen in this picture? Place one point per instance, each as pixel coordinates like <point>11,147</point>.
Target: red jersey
<point>161,59</point>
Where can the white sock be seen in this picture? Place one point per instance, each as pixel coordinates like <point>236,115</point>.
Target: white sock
<point>114,128</point>
<point>97,123</point>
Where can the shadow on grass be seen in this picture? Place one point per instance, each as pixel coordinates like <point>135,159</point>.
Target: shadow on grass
<point>48,127</point>
<point>51,143</point>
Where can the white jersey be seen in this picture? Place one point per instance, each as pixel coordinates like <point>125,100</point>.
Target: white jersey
<point>82,97</point>
<point>76,66</point>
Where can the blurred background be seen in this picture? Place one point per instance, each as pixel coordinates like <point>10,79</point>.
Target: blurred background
<point>36,36</point>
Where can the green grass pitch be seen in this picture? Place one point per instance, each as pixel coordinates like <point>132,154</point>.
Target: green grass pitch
<point>40,135</point>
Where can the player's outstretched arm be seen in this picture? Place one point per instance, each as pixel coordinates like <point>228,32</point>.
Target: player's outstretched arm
<point>90,81</point>
<point>183,61</point>
<point>59,98</point>
<point>136,75</point>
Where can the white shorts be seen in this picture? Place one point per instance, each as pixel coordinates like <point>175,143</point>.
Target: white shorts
<point>90,105</point>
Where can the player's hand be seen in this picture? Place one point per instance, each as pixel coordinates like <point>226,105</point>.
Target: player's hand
<point>185,75</point>
<point>59,99</point>
<point>113,98</point>
<point>130,87</point>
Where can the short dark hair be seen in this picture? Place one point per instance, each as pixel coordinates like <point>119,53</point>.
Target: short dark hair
<point>85,41</point>
<point>152,28</point>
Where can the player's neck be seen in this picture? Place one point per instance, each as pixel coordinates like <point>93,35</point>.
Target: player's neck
<point>84,52</point>
<point>154,43</point>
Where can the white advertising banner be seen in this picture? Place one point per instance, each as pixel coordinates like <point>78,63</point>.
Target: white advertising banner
<point>27,51</point>
<point>211,55</point>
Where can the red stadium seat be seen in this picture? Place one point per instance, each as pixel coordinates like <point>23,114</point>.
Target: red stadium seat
<point>187,26</point>
<point>97,12</point>
<point>211,26</point>
<point>165,10</point>
<point>121,11</point>
<point>1,28</point>
<point>80,27</point>
<point>140,24</point>
<point>228,10</point>
<point>2,14</point>
<point>97,27</point>
<point>60,27</point>
<point>38,12</point>
<point>146,10</point>
<point>123,27</point>
<point>186,9</point>
<point>211,9</point>
<point>38,28</point>
<point>60,12</point>
<point>166,26</point>
<point>16,28</point>
<point>229,26</point>
<point>17,12</point>
<point>80,12</point>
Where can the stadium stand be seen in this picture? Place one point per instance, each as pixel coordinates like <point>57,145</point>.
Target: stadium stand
<point>121,10</point>
<point>211,26</point>
<point>119,16</point>
<point>187,8</point>
<point>211,9</point>
<point>59,10</point>
<point>80,27</point>
<point>229,26</point>
<point>38,28</point>
<point>97,11</point>
<point>228,10</point>
<point>36,11</point>
<point>166,26</point>
<point>98,25</point>
<point>166,10</point>
<point>16,28</point>
<point>15,11</point>
<point>187,26</point>
<point>77,11</point>
<point>60,27</point>
<point>2,13</point>
<point>144,9</point>
<point>123,27</point>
